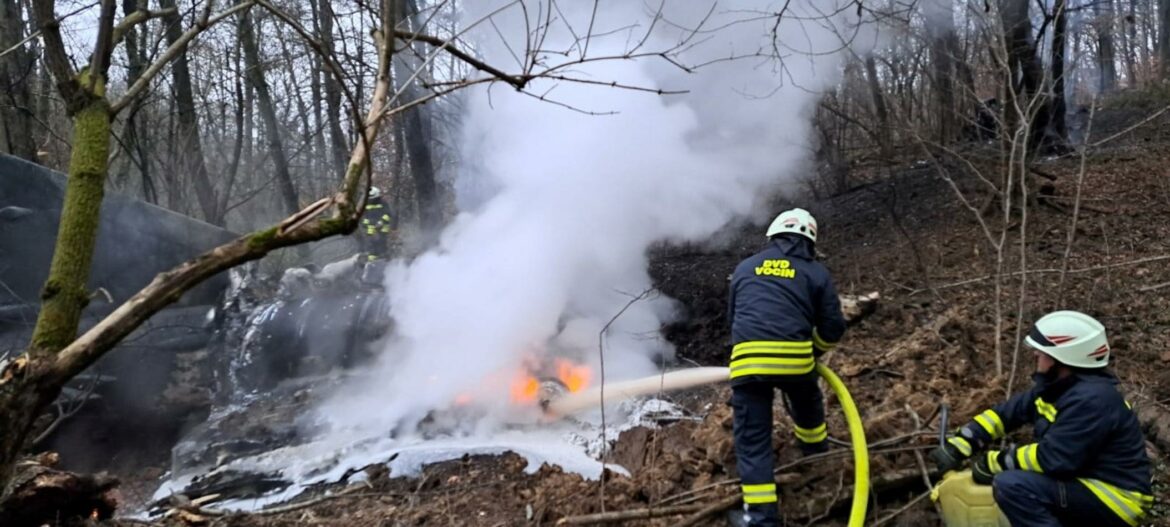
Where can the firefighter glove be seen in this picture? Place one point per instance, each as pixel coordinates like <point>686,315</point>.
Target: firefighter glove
<point>986,467</point>
<point>951,455</point>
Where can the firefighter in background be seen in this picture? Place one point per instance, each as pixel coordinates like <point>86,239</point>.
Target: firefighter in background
<point>375,230</point>
<point>1087,464</point>
<point>784,313</point>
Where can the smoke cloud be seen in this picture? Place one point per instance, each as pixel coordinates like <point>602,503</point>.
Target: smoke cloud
<point>557,244</point>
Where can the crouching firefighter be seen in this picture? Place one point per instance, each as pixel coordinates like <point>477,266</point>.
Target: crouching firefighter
<point>784,313</point>
<point>1088,463</point>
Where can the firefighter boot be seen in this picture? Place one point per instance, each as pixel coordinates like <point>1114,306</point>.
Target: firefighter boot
<point>760,515</point>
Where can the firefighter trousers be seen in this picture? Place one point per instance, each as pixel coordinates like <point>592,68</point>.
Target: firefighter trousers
<point>752,404</point>
<point>1029,499</point>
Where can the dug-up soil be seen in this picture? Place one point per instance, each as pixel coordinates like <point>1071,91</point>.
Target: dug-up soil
<point>933,340</point>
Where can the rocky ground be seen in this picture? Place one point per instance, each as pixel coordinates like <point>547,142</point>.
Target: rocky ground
<point>933,340</point>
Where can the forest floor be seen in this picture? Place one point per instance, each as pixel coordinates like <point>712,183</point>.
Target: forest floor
<point>932,340</point>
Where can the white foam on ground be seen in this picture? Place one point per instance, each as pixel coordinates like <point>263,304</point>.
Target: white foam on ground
<point>574,446</point>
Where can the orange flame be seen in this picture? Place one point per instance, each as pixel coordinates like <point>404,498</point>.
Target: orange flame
<point>525,389</point>
<point>574,376</point>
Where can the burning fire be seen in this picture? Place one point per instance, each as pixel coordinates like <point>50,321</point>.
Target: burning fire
<point>525,387</point>
<point>573,376</point>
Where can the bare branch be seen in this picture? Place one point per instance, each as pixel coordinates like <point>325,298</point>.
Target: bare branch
<point>517,81</point>
<point>138,17</point>
<point>172,52</point>
<point>56,59</point>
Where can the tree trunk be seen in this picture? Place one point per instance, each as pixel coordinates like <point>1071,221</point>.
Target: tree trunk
<point>1164,37</point>
<point>1059,44</point>
<point>288,192</point>
<point>418,137</point>
<point>1106,55</point>
<point>33,383</point>
<point>879,105</point>
<point>190,145</point>
<point>940,25</point>
<point>337,139</point>
<point>1025,98</point>
<point>17,70</point>
<point>1128,41</point>
<point>136,134</point>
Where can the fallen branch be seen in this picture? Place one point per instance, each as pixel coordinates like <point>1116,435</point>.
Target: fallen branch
<point>632,514</point>
<point>970,281</point>
<point>1132,128</point>
<point>1154,287</point>
<point>700,518</point>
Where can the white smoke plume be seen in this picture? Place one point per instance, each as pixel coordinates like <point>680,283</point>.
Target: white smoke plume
<point>559,244</point>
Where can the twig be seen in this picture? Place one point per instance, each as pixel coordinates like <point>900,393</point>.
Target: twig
<point>901,509</point>
<point>1154,287</point>
<point>292,507</point>
<point>1132,128</point>
<point>700,518</point>
<point>922,461</point>
<point>829,506</point>
<point>632,514</point>
<point>601,365</point>
<point>1072,230</point>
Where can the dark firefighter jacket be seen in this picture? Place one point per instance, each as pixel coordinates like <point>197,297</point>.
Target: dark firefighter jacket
<point>1083,430</point>
<point>783,307</point>
<point>376,219</point>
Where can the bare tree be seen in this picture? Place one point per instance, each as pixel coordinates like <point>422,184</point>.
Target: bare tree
<point>1106,55</point>
<point>276,153</point>
<point>17,69</point>
<point>1164,37</point>
<point>190,151</point>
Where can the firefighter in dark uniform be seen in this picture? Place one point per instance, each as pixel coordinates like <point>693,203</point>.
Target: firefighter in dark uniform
<point>376,229</point>
<point>784,313</point>
<point>1087,464</point>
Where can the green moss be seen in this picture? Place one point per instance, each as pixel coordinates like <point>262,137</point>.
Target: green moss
<point>261,239</point>
<point>64,294</point>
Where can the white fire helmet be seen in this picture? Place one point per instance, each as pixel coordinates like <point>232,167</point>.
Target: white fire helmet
<point>1071,338</point>
<point>375,193</point>
<point>798,221</point>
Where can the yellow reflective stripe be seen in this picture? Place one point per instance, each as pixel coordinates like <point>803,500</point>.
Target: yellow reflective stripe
<point>991,423</point>
<point>385,217</point>
<point>993,462</point>
<point>762,357</point>
<point>811,435</point>
<point>961,444</point>
<point>1026,458</point>
<point>761,493</point>
<point>1128,505</point>
<point>774,347</point>
<point>1046,410</point>
<point>821,343</point>
<point>373,206</point>
<point>770,369</point>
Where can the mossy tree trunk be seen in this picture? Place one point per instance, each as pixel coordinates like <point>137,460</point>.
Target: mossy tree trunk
<point>35,381</point>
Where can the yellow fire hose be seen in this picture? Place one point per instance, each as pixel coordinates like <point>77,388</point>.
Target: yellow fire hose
<point>677,380</point>
<point>860,449</point>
